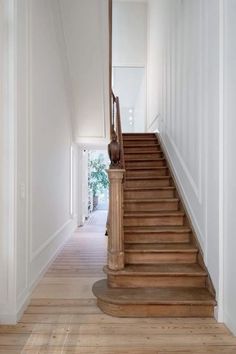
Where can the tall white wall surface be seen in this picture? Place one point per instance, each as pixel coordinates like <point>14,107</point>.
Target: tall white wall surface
<point>85,24</point>
<point>37,127</point>
<point>129,61</point>
<point>229,109</point>
<point>129,33</point>
<point>183,94</point>
<point>191,100</point>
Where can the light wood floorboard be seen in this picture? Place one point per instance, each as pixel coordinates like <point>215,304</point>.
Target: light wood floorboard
<point>63,317</point>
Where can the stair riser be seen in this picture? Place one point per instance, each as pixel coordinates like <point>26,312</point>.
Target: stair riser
<point>155,281</point>
<point>141,149</point>
<point>154,221</point>
<point>148,173</point>
<point>157,238</point>
<point>150,206</point>
<point>149,194</point>
<point>151,258</point>
<point>128,156</point>
<point>165,182</point>
<point>139,135</point>
<point>149,310</point>
<point>158,163</point>
<point>135,143</point>
<point>142,138</point>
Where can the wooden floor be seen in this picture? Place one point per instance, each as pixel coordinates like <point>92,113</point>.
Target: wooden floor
<point>63,316</point>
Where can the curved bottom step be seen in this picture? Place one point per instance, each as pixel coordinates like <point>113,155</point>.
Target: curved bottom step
<point>154,302</point>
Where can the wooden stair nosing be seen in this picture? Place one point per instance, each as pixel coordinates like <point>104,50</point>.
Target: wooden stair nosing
<point>160,248</point>
<point>150,296</point>
<point>142,152</point>
<point>149,188</point>
<point>140,147</point>
<point>145,160</point>
<point>149,214</point>
<point>148,178</point>
<point>153,229</point>
<point>161,270</point>
<point>131,168</point>
<point>154,200</point>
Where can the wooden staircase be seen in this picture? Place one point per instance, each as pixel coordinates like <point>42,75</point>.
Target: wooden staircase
<point>163,273</point>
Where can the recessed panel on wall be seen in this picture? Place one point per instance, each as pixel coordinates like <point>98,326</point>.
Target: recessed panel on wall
<point>85,25</point>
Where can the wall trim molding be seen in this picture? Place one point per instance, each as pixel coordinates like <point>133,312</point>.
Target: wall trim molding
<point>195,188</point>
<point>154,123</point>
<point>49,240</point>
<point>229,321</point>
<point>183,195</point>
<point>25,296</point>
<point>222,43</point>
<point>105,98</point>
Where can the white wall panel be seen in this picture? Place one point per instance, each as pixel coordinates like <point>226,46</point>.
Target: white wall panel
<point>230,164</point>
<point>50,139</point>
<point>3,176</point>
<point>129,33</point>
<point>183,92</point>
<point>36,144</point>
<point>85,25</point>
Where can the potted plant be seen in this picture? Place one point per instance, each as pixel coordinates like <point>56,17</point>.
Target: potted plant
<point>98,180</point>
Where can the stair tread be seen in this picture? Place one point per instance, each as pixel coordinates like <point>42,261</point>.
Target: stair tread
<point>160,269</point>
<point>147,178</point>
<point>152,168</point>
<point>139,137</point>
<point>157,200</point>
<point>150,188</point>
<point>140,133</point>
<point>127,146</point>
<point>141,152</point>
<point>156,229</point>
<point>153,213</point>
<point>151,296</point>
<point>139,159</point>
<point>163,247</point>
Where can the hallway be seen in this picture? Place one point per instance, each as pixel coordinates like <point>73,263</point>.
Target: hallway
<point>63,317</point>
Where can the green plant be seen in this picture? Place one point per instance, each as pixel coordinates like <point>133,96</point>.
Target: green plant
<point>98,180</point>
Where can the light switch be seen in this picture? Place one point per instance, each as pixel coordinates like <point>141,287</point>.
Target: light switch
<point>22,191</point>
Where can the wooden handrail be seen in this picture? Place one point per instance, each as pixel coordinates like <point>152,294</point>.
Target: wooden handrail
<point>119,133</point>
<point>116,174</point>
<point>110,60</point>
<point>115,148</point>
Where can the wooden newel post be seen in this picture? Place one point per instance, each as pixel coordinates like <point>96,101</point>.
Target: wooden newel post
<point>115,230</point>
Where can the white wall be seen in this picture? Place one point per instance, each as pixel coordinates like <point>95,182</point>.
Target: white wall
<point>130,85</point>
<point>129,61</point>
<point>85,24</point>
<point>4,166</point>
<point>191,89</point>
<point>129,33</point>
<point>82,195</point>
<point>230,164</point>
<point>37,132</point>
<point>183,92</point>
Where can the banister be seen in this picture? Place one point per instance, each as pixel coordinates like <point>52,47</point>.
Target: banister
<point>116,174</point>
<point>115,148</point>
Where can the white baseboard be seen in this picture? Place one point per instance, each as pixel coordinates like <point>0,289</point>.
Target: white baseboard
<point>230,323</point>
<point>47,258</point>
<point>42,260</point>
